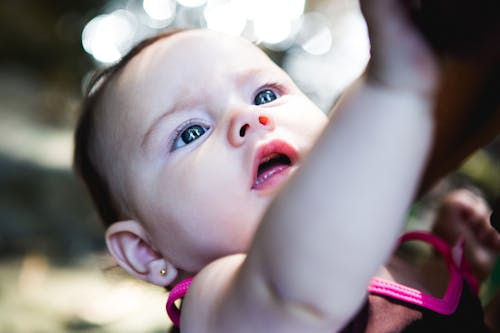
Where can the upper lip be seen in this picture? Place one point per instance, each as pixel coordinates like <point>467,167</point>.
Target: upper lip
<point>270,150</point>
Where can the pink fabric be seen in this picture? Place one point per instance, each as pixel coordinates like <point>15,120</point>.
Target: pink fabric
<point>177,292</point>
<point>451,298</point>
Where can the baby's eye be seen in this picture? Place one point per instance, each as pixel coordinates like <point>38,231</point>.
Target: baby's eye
<point>188,135</point>
<point>264,96</point>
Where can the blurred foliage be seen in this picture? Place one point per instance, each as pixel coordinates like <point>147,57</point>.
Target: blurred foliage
<point>483,169</point>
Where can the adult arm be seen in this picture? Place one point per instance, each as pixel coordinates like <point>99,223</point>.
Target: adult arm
<point>467,113</point>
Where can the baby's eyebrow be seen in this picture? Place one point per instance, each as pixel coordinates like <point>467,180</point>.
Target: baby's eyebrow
<point>246,75</point>
<point>181,104</point>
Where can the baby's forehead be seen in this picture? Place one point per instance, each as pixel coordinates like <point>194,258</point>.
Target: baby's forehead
<point>205,50</point>
<point>190,57</point>
<point>206,41</point>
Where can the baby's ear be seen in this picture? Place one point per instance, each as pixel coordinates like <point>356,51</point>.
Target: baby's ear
<point>128,243</point>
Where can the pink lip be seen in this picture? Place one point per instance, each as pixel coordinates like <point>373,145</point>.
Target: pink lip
<point>277,175</point>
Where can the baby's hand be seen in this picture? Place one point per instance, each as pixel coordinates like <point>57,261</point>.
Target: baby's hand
<point>401,58</point>
<point>465,216</point>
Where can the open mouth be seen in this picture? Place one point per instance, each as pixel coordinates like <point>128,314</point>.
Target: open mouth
<point>272,164</point>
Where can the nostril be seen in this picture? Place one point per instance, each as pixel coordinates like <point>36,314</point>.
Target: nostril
<point>243,129</point>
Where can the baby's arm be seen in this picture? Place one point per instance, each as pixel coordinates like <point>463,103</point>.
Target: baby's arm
<point>335,223</point>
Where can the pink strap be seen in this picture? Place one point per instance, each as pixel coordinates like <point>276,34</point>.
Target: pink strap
<point>177,292</point>
<point>450,300</point>
<point>447,305</point>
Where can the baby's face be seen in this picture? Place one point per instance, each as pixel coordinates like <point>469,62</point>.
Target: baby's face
<point>203,130</point>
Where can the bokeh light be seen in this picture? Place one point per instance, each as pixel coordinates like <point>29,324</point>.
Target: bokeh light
<point>192,3</point>
<point>272,31</point>
<point>108,37</point>
<point>271,23</point>
<point>225,16</point>
<point>273,19</point>
<point>315,36</point>
<point>160,10</point>
<point>278,9</point>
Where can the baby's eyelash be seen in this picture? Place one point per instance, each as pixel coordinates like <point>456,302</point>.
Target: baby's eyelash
<point>277,87</point>
<point>181,128</point>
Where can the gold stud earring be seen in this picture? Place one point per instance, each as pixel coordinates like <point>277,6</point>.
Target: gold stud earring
<point>163,272</point>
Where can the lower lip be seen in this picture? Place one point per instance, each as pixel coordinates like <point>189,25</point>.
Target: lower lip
<point>273,179</point>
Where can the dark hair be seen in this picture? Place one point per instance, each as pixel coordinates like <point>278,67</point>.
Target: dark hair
<point>83,164</point>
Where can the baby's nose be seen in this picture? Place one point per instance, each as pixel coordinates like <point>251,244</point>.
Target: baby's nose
<point>245,124</point>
